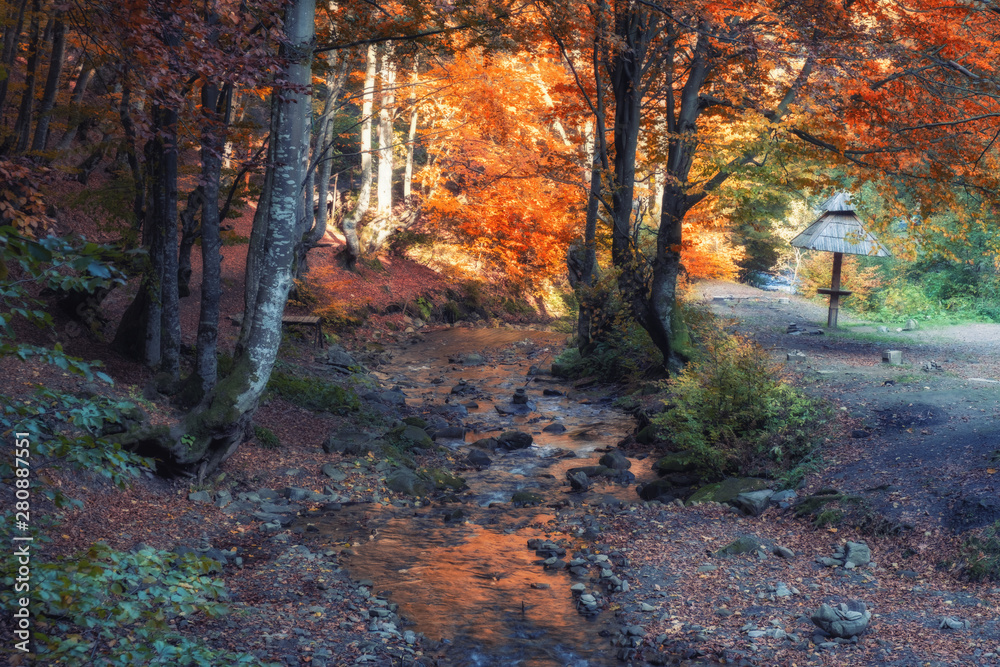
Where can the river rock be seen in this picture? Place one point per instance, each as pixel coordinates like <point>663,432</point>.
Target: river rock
<point>411,437</point>
<point>678,462</point>
<point>478,459</point>
<point>511,440</point>
<point>857,554</point>
<point>950,623</point>
<point>659,489</point>
<point>515,409</point>
<point>333,472</point>
<point>200,497</point>
<point>753,503</point>
<point>616,460</point>
<point>744,544</point>
<point>520,396</point>
<point>551,392</point>
<point>911,325</point>
<point>450,433</point>
<point>348,442</point>
<point>845,621</point>
<point>486,444</point>
<point>727,490</point>
<point>338,357</point>
<point>407,482</point>
<point>524,498</point>
<point>579,481</point>
<point>555,427</point>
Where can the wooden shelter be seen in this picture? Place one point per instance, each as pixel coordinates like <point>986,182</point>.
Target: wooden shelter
<point>838,230</point>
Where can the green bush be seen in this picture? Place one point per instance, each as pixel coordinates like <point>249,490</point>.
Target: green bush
<point>626,357</point>
<point>731,409</point>
<point>106,607</point>
<point>266,437</point>
<point>312,393</point>
<point>982,554</point>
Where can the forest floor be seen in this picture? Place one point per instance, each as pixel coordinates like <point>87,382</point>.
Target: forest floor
<point>913,461</point>
<point>915,482</point>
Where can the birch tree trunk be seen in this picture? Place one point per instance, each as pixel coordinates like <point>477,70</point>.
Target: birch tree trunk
<point>375,233</point>
<point>214,430</point>
<point>411,136</point>
<point>349,225</point>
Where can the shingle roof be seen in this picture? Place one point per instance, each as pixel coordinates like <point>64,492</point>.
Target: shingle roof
<point>839,230</point>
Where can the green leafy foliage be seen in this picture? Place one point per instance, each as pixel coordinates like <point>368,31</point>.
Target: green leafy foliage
<point>266,437</point>
<point>68,431</point>
<point>312,393</point>
<point>626,357</point>
<point>733,412</point>
<point>106,607</point>
<point>982,554</point>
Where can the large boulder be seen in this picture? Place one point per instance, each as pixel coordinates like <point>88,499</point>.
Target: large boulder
<point>478,459</point>
<point>726,490</point>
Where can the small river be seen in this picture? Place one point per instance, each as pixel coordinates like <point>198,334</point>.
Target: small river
<point>471,582</point>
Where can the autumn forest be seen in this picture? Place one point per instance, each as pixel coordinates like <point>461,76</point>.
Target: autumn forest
<point>198,197</point>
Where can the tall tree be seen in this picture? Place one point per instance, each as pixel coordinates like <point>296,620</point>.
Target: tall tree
<point>349,224</point>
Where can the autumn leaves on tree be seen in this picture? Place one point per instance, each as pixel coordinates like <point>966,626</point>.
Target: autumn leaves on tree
<point>633,138</point>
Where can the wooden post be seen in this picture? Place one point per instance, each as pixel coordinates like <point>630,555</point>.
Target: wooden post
<point>831,320</point>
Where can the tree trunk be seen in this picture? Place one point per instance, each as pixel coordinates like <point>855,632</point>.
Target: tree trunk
<point>132,154</point>
<point>169,296</point>
<point>411,136</point>
<point>387,114</point>
<point>76,119</point>
<point>321,164</point>
<point>22,126</point>
<point>51,84</point>
<point>190,231</point>
<point>377,232</point>
<point>212,140</point>
<point>11,38</point>
<point>211,433</point>
<point>349,225</point>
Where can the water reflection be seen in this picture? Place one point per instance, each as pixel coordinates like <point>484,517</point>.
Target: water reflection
<point>470,583</point>
<point>473,587</point>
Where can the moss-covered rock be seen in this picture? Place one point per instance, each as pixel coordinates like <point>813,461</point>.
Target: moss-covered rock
<point>408,482</point>
<point>443,480</point>
<point>676,462</point>
<point>526,499</point>
<point>742,545</point>
<point>409,437</point>
<point>415,421</point>
<point>726,490</point>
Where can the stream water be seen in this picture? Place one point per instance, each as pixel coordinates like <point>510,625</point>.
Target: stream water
<point>471,583</point>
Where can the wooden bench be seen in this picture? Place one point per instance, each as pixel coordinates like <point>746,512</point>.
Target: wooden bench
<point>305,320</point>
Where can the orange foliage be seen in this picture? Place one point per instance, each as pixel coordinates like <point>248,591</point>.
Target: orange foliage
<point>492,179</point>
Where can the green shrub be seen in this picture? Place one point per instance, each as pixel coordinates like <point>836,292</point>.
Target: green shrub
<point>626,357</point>
<point>106,607</point>
<point>312,393</point>
<point>732,410</point>
<point>982,554</point>
<point>266,437</point>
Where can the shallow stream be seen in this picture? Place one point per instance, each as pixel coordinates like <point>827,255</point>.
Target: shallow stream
<point>470,581</point>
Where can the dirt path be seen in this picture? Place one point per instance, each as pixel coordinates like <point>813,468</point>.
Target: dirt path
<point>926,436</point>
<point>915,480</point>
